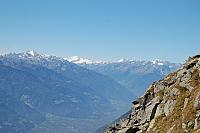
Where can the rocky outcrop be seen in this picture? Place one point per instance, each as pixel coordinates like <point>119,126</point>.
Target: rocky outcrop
<point>169,105</point>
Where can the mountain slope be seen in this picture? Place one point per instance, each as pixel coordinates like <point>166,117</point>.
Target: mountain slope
<point>17,114</point>
<point>136,76</point>
<point>57,91</point>
<point>169,105</point>
<point>100,83</point>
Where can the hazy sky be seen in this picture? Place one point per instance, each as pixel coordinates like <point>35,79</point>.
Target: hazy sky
<point>102,29</point>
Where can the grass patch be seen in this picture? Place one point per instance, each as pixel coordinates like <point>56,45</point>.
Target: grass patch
<point>179,114</point>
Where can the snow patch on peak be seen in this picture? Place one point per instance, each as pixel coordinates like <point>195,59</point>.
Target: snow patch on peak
<point>158,62</point>
<point>33,53</point>
<point>124,60</point>
<point>78,60</point>
<point>72,58</point>
<point>32,57</point>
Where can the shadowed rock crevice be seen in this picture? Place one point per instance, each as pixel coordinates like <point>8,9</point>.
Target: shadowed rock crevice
<point>154,111</point>
<point>132,130</point>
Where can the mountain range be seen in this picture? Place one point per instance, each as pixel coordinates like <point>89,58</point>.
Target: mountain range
<point>39,91</point>
<point>135,75</point>
<point>42,93</point>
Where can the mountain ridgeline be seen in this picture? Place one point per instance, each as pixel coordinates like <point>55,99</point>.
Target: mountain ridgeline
<point>170,105</point>
<point>48,94</point>
<point>41,93</point>
<point>135,75</point>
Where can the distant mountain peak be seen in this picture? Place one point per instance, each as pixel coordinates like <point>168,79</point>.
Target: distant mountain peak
<point>79,60</point>
<point>32,52</point>
<point>158,62</point>
<point>82,61</point>
<point>124,60</point>
<point>32,57</point>
<point>27,54</point>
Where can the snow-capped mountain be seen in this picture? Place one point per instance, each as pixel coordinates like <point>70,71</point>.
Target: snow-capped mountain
<point>124,60</point>
<point>33,57</point>
<point>37,88</point>
<point>135,75</point>
<point>79,60</point>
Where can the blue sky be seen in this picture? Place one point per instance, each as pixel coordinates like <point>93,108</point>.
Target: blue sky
<point>102,29</point>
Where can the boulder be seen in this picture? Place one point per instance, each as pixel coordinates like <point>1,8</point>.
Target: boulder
<point>169,106</point>
<point>197,101</point>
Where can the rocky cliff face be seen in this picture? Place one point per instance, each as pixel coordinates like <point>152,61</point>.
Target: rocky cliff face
<point>169,105</point>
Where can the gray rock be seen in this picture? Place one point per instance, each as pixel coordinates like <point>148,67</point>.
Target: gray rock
<point>169,106</point>
<point>198,114</point>
<point>190,125</point>
<point>172,80</point>
<point>197,100</point>
<point>151,125</point>
<point>184,126</point>
<point>158,87</point>
<point>159,111</point>
<point>122,130</point>
<point>180,73</point>
<point>173,92</point>
<point>196,124</point>
<point>186,85</point>
<point>150,111</point>
<point>170,130</point>
<point>186,102</point>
